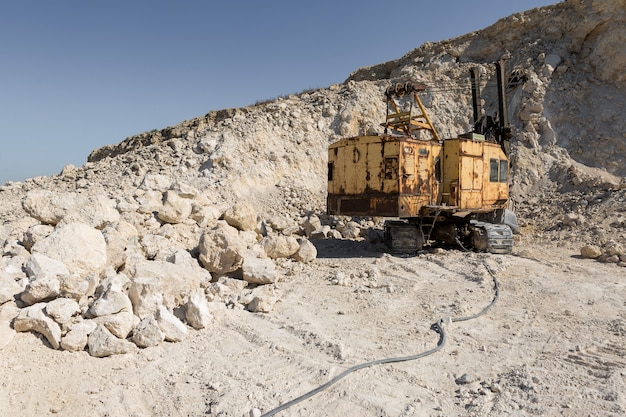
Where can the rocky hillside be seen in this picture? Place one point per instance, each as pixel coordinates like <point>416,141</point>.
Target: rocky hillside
<point>157,196</point>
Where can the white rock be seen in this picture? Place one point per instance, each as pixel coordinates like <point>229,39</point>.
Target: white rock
<point>613,248</point>
<point>156,182</point>
<point>79,246</point>
<point>221,249</point>
<point>119,324</point>
<point>111,302</point>
<point>262,304</point>
<point>174,282</point>
<point>280,223</point>
<point>307,252</point>
<point>334,234</point>
<point>35,233</point>
<point>117,240</point>
<point>62,309</point>
<point>77,286</point>
<point>311,224</point>
<point>114,281</point>
<point>280,246</point>
<point>102,343</point>
<point>156,246</point>
<point>185,190</point>
<point>205,215</point>
<point>34,318</point>
<point>148,333</point>
<point>78,335</point>
<point>41,289</point>
<point>146,294</point>
<point>97,211</point>
<point>51,207</point>
<point>352,230</point>
<point>175,209</point>
<point>47,206</point>
<point>9,288</point>
<point>259,270</point>
<point>150,202</point>
<point>173,329</point>
<point>590,252</point>
<point>241,216</point>
<point>41,266</point>
<point>198,312</point>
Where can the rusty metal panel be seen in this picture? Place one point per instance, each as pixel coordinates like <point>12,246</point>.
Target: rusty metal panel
<point>382,176</point>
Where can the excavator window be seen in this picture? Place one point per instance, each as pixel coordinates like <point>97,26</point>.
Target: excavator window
<point>498,170</point>
<point>494,166</point>
<point>504,169</point>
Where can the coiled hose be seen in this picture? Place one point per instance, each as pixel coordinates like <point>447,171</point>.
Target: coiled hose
<point>437,327</point>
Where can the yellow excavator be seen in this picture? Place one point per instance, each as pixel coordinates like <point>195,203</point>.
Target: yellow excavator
<point>453,191</point>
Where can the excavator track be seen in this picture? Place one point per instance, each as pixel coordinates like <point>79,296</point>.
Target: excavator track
<point>403,238</point>
<point>491,237</point>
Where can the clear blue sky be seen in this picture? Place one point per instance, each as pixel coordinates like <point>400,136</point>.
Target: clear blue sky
<point>78,75</point>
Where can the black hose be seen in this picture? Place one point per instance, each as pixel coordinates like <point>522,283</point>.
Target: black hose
<point>436,327</point>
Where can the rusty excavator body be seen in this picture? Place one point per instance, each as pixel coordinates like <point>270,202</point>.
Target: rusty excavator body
<point>454,191</point>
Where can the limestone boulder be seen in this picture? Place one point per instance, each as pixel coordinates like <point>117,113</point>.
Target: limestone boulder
<point>259,270</point>
<point>39,265</point>
<point>280,223</point>
<point>175,209</point>
<point>35,233</point>
<point>41,289</point>
<point>241,216</point>
<point>78,286</point>
<point>221,249</point>
<point>62,310</point>
<point>198,313</point>
<point>102,343</point>
<point>307,252</point>
<point>156,182</point>
<point>262,304</point>
<point>45,275</point>
<point>110,302</point>
<point>76,338</point>
<point>280,246</point>
<point>146,294</point>
<point>149,202</point>
<point>613,248</point>
<point>51,207</point>
<point>590,252</point>
<point>351,230</point>
<point>119,324</point>
<point>261,299</point>
<point>311,224</point>
<point>148,333</point>
<point>9,288</point>
<point>79,246</point>
<point>205,215</point>
<point>173,329</point>
<point>33,318</point>
<point>117,239</point>
<point>161,282</point>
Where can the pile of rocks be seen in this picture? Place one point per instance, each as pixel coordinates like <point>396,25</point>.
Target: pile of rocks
<point>90,272</point>
<point>611,252</point>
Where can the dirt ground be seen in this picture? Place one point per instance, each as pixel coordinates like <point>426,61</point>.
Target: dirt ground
<point>552,345</point>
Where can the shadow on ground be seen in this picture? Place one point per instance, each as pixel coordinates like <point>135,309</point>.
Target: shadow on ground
<point>346,248</point>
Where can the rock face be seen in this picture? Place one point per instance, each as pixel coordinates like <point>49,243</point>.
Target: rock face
<point>167,220</point>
